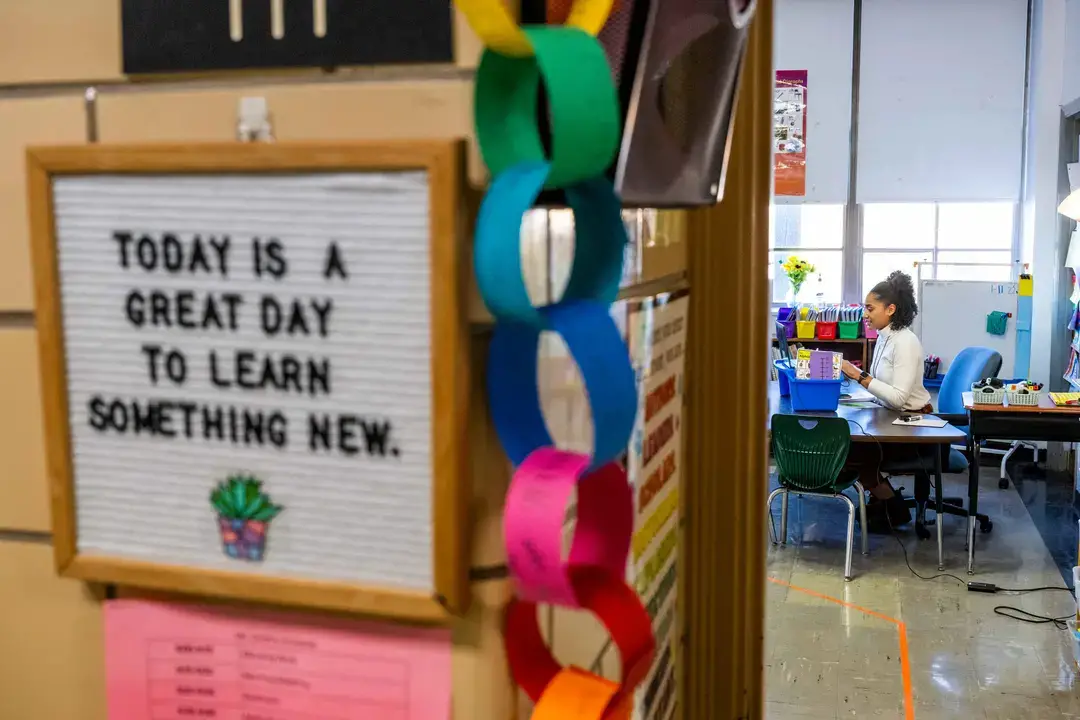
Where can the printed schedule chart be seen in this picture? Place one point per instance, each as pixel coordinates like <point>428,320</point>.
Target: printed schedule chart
<point>174,663</point>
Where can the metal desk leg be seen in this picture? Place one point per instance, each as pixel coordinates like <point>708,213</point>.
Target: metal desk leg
<point>940,509</point>
<point>973,502</point>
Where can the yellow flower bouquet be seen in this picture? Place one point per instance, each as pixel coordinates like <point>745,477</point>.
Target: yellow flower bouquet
<point>797,270</point>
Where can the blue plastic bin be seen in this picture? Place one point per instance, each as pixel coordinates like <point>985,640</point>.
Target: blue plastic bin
<point>782,366</point>
<point>813,395</point>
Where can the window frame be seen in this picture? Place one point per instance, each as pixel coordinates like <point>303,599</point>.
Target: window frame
<point>853,250</point>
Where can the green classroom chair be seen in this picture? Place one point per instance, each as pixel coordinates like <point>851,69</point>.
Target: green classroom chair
<point>809,453</point>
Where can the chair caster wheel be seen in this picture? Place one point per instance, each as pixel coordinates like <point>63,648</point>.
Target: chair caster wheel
<point>922,532</point>
<point>986,526</point>
<point>1003,483</point>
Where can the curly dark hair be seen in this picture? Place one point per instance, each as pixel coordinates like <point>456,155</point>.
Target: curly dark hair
<point>898,290</point>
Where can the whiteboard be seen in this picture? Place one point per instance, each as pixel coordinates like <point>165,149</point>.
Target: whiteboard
<point>952,316</point>
<point>263,330</point>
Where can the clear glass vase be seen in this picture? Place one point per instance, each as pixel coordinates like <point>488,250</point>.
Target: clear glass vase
<point>792,297</point>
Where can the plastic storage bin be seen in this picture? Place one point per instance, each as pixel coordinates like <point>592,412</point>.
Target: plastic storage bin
<point>997,397</point>
<point>813,395</point>
<point>871,333</point>
<point>1017,399</point>
<point>789,328</point>
<point>782,366</point>
<point>849,330</point>
<point>826,330</point>
<point>784,314</point>
<point>805,329</point>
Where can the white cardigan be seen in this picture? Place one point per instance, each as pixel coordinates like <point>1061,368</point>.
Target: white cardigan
<point>897,370</point>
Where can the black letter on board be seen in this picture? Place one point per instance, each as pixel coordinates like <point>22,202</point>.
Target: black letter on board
<point>268,258</point>
<point>97,413</point>
<point>123,240</point>
<point>335,263</point>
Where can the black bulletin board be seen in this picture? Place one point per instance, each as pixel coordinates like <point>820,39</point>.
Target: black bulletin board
<point>162,36</point>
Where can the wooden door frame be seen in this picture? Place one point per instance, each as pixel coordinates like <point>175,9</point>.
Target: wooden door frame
<point>726,405</point>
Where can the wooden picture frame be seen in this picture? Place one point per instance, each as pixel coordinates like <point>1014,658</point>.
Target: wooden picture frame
<point>450,376</point>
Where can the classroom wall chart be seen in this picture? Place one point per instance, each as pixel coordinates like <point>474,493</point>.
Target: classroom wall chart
<point>789,132</point>
<point>254,368</point>
<point>657,341</point>
<point>171,661</point>
<point>584,117</point>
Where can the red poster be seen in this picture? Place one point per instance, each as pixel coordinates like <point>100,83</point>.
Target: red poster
<point>789,132</point>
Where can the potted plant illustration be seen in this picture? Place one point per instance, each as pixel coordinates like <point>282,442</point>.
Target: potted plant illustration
<point>244,514</point>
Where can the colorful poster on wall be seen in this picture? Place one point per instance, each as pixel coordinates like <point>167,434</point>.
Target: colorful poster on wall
<point>657,338</point>
<point>789,132</point>
<point>166,662</point>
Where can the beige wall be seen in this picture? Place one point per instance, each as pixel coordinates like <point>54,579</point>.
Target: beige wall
<point>50,640</point>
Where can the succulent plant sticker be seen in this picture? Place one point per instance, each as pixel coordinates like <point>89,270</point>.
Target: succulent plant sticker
<point>244,513</point>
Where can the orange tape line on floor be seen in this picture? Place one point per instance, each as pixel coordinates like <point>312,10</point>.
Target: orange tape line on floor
<point>901,631</point>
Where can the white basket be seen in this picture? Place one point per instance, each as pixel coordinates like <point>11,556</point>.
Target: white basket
<point>1030,399</point>
<point>984,398</point>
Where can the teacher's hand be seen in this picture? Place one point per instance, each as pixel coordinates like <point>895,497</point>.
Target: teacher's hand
<point>851,371</point>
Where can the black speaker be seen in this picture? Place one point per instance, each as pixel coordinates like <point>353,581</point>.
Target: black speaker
<point>677,65</point>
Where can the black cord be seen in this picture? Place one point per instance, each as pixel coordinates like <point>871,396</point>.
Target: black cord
<point>1002,610</point>
<point>1032,618</point>
<point>1038,589</point>
<point>907,562</point>
<point>880,448</point>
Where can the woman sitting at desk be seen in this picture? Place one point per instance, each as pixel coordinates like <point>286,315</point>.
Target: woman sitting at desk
<point>895,380</point>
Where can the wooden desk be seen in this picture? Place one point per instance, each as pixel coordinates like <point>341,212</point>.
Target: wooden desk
<point>876,425</point>
<point>1045,406</point>
<point>1046,422</point>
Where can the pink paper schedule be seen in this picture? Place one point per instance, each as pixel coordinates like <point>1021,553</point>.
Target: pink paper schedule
<point>179,662</point>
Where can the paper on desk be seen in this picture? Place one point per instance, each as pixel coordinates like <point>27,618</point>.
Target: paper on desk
<point>165,662</point>
<point>928,421</point>
<point>857,395</point>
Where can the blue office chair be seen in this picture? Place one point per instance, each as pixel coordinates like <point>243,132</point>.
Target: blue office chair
<point>971,365</point>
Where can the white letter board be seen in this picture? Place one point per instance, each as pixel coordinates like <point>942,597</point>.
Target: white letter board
<point>255,372</point>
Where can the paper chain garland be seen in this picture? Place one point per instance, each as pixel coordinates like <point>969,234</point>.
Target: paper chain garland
<point>584,123</point>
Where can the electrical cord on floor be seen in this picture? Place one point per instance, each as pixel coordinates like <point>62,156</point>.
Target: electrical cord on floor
<point>1008,611</point>
<point>1013,613</point>
<point>903,548</point>
<point>1031,618</point>
<point>1037,589</point>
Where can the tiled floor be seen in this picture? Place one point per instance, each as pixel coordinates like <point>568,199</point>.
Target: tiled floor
<point>1050,502</point>
<point>827,659</point>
